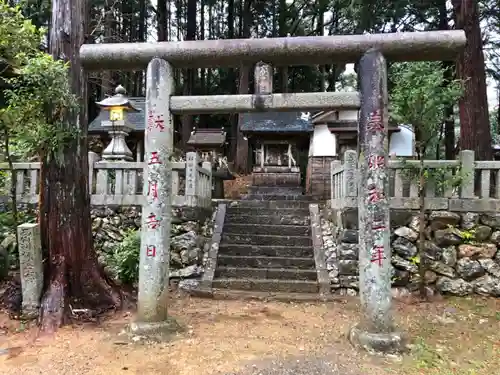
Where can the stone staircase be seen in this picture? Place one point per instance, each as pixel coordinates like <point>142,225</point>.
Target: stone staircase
<point>266,244</point>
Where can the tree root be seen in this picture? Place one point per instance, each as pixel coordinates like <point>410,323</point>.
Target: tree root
<point>96,292</point>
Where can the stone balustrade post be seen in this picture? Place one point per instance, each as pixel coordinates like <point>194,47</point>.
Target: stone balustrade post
<point>31,268</point>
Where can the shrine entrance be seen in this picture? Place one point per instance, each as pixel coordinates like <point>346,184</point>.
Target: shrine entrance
<point>370,50</point>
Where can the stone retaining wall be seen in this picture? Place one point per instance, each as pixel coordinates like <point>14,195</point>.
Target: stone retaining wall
<point>461,251</point>
<point>190,237</point>
<point>189,242</point>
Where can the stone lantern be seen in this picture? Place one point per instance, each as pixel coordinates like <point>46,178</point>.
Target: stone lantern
<point>117,126</point>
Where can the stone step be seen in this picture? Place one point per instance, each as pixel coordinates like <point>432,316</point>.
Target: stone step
<point>276,219</point>
<point>264,273</point>
<point>266,251</point>
<point>265,261</point>
<point>269,204</point>
<point>228,294</point>
<point>267,285</point>
<point>262,229</point>
<point>266,240</point>
<point>275,190</point>
<point>255,211</point>
<point>288,197</point>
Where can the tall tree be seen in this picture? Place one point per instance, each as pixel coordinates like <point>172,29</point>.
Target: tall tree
<point>73,275</point>
<point>162,20</point>
<point>474,120</point>
<point>449,72</point>
<point>283,30</point>
<point>241,160</point>
<point>190,74</point>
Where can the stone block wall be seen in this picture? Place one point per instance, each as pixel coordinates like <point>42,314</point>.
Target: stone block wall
<point>318,184</point>
<point>461,252</point>
<point>276,178</point>
<point>190,236</point>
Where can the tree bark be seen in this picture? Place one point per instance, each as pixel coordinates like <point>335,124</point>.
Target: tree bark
<point>475,131</point>
<point>162,25</point>
<point>73,276</point>
<point>241,160</point>
<point>106,76</point>
<point>233,119</point>
<point>189,74</point>
<point>449,123</point>
<point>282,26</point>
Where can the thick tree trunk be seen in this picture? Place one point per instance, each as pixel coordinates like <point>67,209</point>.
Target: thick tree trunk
<point>282,25</point>
<point>498,111</point>
<point>106,76</point>
<point>162,25</point>
<point>241,160</point>
<point>475,131</point>
<point>72,276</point>
<point>189,74</point>
<point>233,119</point>
<point>449,123</point>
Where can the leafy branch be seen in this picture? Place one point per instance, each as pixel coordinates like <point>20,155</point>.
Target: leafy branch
<point>419,98</point>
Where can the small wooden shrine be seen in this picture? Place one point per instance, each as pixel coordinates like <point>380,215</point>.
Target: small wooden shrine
<point>209,143</point>
<point>276,138</point>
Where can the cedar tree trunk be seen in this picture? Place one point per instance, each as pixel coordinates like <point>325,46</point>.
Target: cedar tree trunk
<point>72,275</point>
<point>475,131</point>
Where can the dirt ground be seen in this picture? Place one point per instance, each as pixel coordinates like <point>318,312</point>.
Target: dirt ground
<point>220,337</point>
<point>234,189</point>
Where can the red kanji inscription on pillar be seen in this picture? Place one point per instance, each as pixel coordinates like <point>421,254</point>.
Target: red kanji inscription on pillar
<point>155,122</point>
<point>150,250</point>
<point>377,254</point>
<point>374,195</point>
<point>153,189</point>
<point>375,123</point>
<point>155,158</point>
<point>378,226</point>
<point>152,221</point>
<point>376,161</point>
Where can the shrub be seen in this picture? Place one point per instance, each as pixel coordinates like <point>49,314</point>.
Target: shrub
<point>123,260</point>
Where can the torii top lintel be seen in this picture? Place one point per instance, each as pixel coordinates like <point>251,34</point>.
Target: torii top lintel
<point>312,50</point>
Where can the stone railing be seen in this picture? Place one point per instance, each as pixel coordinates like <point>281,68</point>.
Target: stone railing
<point>462,185</point>
<point>119,183</point>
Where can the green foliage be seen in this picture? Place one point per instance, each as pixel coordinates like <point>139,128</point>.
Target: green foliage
<point>39,103</point>
<point>420,96</point>
<point>8,228</point>
<point>39,99</point>
<point>443,178</point>
<point>495,129</point>
<point>19,38</point>
<point>7,222</point>
<point>415,260</point>
<point>467,236</point>
<point>123,260</point>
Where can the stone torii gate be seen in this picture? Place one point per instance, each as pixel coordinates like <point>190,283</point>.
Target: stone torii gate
<point>376,332</point>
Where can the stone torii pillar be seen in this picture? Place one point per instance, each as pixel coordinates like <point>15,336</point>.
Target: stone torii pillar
<point>157,208</point>
<point>376,331</point>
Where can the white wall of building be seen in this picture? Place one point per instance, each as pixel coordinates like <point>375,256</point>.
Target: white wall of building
<point>402,142</point>
<point>323,142</point>
<point>347,115</point>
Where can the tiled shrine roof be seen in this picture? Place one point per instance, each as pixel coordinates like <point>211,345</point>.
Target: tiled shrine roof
<point>260,122</point>
<point>207,137</point>
<point>275,122</point>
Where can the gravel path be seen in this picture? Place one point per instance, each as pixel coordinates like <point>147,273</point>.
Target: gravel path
<point>303,366</point>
